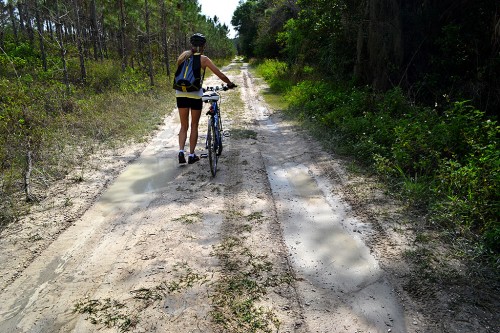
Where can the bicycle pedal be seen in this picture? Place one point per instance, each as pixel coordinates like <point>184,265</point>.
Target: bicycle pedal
<point>203,155</point>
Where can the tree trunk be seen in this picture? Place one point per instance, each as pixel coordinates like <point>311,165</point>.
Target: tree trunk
<point>1,37</point>
<point>96,40</point>
<point>39,25</point>
<point>122,36</point>
<point>27,20</point>
<point>361,56</point>
<point>48,27</point>
<point>104,46</point>
<point>380,46</point>
<point>83,72</point>
<point>27,175</point>
<point>150,49</point>
<point>164,41</point>
<point>62,50</point>
<point>20,10</point>
<point>13,21</point>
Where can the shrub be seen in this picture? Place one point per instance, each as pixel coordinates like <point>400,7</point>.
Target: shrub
<point>277,75</point>
<point>132,81</point>
<point>102,77</point>
<point>414,149</point>
<point>467,185</point>
<point>448,162</point>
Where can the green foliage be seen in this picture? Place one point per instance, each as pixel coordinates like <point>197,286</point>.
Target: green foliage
<point>19,57</point>
<point>245,21</point>
<point>102,77</point>
<point>318,36</point>
<point>259,23</point>
<point>447,162</point>
<point>243,285</point>
<point>61,129</point>
<point>107,313</point>
<point>358,127</point>
<point>467,185</point>
<point>414,149</point>
<point>276,74</point>
<point>108,76</point>
<point>435,50</point>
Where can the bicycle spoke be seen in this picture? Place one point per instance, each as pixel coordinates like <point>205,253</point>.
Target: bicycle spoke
<point>212,147</point>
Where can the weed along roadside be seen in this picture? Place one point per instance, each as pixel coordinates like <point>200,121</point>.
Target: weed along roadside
<point>286,238</point>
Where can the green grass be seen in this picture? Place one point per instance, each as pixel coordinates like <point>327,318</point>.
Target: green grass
<point>122,314</point>
<point>190,218</point>
<point>107,313</point>
<point>235,302</point>
<point>231,103</point>
<point>236,298</point>
<point>275,100</point>
<point>241,134</point>
<point>245,282</point>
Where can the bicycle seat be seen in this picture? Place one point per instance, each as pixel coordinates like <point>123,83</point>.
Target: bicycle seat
<point>210,96</point>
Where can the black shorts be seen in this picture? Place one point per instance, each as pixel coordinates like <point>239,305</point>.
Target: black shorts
<point>192,103</point>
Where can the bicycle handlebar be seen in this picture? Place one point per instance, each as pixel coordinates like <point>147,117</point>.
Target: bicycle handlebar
<point>217,88</point>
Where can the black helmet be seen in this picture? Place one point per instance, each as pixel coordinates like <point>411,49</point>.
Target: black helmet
<point>198,40</point>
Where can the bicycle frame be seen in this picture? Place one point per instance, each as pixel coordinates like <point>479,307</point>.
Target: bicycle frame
<point>214,131</point>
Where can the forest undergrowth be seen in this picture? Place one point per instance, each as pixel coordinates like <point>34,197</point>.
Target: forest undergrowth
<point>443,161</point>
<point>46,129</point>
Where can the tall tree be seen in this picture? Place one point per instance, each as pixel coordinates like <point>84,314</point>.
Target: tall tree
<point>380,44</point>
<point>3,24</point>
<point>94,30</point>
<point>39,25</point>
<point>78,33</point>
<point>245,22</point>
<point>148,39</point>
<point>164,40</point>
<point>60,40</point>
<point>13,20</point>
<point>122,35</point>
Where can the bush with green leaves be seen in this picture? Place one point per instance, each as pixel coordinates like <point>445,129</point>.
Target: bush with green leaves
<point>101,77</point>
<point>467,185</point>
<point>359,127</point>
<point>445,161</point>
<point>276,74</point>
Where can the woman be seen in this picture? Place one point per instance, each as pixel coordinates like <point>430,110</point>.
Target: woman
<point>191,101</point>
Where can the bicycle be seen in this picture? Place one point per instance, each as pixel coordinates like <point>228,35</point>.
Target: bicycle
<point>215,132</point>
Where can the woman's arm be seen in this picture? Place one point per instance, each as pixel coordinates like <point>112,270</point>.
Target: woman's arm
<point>206,62</point>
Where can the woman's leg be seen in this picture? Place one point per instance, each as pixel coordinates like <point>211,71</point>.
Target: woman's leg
<point>193,137</point>
<point>184,117</point>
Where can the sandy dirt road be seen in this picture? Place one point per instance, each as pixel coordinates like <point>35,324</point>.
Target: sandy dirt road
<point>167,248</point>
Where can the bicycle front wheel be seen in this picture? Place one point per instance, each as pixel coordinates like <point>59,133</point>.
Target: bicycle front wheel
<point>219,137</point>
<point>212,144</point>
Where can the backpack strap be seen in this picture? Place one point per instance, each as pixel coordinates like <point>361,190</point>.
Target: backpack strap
<point>197,68</point>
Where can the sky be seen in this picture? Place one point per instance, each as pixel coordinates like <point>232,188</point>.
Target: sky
<point>223,9</point>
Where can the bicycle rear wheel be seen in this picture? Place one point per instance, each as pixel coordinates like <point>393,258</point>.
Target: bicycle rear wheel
<point>212,144</point>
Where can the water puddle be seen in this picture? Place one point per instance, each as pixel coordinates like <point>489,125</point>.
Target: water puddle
<point>146,175</point>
